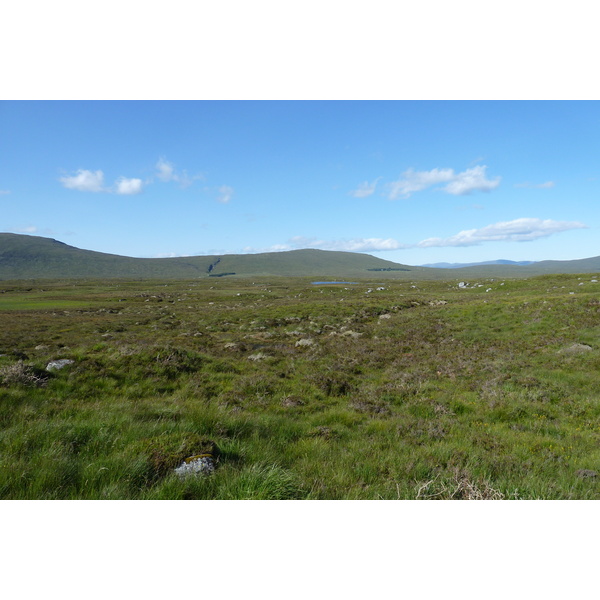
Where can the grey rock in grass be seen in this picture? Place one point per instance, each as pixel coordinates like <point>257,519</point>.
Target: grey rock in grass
<point>304,342</point>
<point>201,464</point>
<point>352,334</point>
<point>55,365</point>
<point>586,474</point>
<point>576,349</point>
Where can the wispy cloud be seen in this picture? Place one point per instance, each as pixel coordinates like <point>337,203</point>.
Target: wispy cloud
<point>170,255</point>
<point>31,229</point>
<point>350,245</point>
<point>519,230</point>
<point>415,181</point>
<point>129,187</point>
<point>165,171</point>
<point>457,184</point>
<point>365,189</point>
<point>542,186</point>
<point>225,194</point>
<point>85,181</point>
<point>4,192</point>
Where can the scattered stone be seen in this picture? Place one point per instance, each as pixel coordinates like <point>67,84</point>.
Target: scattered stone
<point>291,401</point>
<point>55,365</point>
<point>586,473</point>
<point>201,463</point>
<point>385,316</point>
<point>353,334</point>
<point>576,349</point>
<point>41,347</point>
<point>257,356</point>
<point>230,346</point>
<point>463,284</point>
<point>304,342</point>
<point>438,302</point>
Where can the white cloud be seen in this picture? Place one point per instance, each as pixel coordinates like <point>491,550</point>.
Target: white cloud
<point>128,186</point>
<point>519,230</point>
<point>225,194</point>
<point>457,183</point>
<point>471,180</point>
<point>85,181</point>
<point>165,170</point>
<point>543,186</point>
<point>29,229</point>
<point>4,192</point>
<point>365,189</point>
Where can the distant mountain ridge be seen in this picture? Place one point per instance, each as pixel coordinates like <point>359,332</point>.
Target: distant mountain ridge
<point>33,257</point>
<point>445,265</point>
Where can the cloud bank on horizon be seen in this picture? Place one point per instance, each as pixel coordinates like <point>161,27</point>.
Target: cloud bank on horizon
<point>518,230</point>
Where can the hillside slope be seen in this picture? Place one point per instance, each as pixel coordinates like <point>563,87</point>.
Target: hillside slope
<point>32,257</point>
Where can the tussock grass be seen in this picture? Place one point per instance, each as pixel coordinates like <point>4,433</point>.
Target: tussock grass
<point>453,394</point>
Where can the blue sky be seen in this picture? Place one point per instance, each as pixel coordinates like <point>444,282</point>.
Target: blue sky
<point>410,181</point>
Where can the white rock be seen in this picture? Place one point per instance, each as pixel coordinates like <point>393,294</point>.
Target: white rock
<point>55,365</point>
<point>196,464</point>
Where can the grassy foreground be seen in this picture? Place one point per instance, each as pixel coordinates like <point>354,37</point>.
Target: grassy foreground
<point>419,390</point>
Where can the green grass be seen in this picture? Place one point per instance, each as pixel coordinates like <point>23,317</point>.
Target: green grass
<point>421,390</point>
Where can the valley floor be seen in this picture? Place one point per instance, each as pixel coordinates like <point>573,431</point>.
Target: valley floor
<point>393,390</point>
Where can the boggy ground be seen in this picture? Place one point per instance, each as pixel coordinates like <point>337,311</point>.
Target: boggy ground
<point>418,390</point>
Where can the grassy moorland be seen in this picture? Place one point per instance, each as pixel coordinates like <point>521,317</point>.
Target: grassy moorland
<point>417,390</point>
